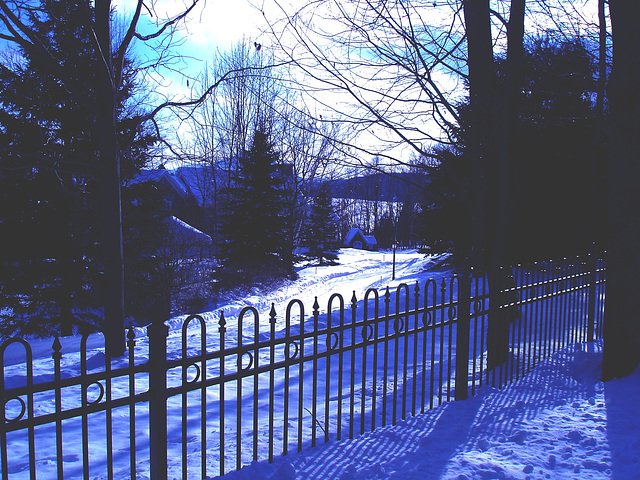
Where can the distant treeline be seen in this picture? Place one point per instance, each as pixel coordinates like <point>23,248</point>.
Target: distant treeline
<point>380,186</point>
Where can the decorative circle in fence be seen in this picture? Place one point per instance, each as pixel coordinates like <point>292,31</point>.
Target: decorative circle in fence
<point>8,408</point>
<point>100,395</point>
<point>452,313</point>
<point>427,318</point>
<point>241,364</point>
<point>477,306</point>
<point>398,325</point>
<point>367,332</point>
<point>287,351</point>
<point>195,378</point>
<point>333,340</point>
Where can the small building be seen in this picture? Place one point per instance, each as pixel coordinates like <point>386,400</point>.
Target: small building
<point>358,240</point>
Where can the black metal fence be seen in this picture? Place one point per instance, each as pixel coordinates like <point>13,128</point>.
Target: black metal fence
<point>254,388</point>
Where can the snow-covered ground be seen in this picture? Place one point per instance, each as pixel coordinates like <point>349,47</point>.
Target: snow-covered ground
<point>558,422</point>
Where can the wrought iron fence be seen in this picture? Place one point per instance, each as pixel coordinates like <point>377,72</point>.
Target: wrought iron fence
<point>249,390</point>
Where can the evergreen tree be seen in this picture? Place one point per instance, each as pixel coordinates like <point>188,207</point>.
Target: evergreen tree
<point>257,240</point>
<point>550,216</point>
<point>51,266</point>
<point>321,232</point>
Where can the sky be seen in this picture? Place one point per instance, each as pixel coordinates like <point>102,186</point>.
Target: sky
<point>213,26</point>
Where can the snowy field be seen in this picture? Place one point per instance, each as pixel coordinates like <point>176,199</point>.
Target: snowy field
<point>358,271</point>
<point>557,422</point>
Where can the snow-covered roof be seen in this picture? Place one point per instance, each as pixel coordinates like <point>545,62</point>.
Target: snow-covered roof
<point>188,233</point>
<point>161,175</point>
<point>369,239</point>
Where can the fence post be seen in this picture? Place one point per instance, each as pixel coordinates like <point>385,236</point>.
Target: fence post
<point>592,266</point>
<point>462,335</point>
<point>157,333</point>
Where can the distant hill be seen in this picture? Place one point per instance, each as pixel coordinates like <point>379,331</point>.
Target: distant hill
<point>380,186</point>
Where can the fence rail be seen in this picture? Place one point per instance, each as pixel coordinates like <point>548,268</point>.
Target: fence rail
<point>248,390</point>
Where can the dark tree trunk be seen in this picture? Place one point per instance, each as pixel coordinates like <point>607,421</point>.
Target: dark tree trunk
<point>491,147</point>
<point>110,195</point>
<point>622,310</point>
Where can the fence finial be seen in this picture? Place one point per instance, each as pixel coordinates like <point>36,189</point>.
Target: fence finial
<point>272,314</point>
<point>57,347</point>
<point>222,322</point>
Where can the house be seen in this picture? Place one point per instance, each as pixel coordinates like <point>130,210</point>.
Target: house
<point>186,241</point>
<point>177,199</point>
<point>358,240</point>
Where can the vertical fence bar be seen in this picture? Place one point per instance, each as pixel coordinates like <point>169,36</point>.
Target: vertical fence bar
<point>327,371</point>
<point>4,457</point>
<point>416,330</point>
<point>367,336</point>
<point>405,351</point>
<point>84,407</point>
<point>301,377</point>
<point>592,268</point>
<point>340,345</point>
<point>57,357</point>
<point>387,299</point>
<point>222,329</point>
<point>157,333</point>
<point>476,313</point>
<point>452,318</point>
<point>352,379</point>
<point>299,356</point>
<point>256,379</point>
<point>443,297</point>
<point>131,343</point>
<point>314,376</point>
<point>272,377</point>
<point>434,323</point>
<point>109,416</point>
<point>427,320</point>
<point>200,374</point>
<point>376,323</point>
<point>461,386</point>
<point>287,367</point>
<point>203,397</point>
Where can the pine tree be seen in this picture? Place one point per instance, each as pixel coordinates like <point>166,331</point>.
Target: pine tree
<point>51,266</point>
<point>257,239</point>
<point>320,235</point>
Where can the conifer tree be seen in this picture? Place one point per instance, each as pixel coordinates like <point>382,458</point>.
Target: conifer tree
<point>320,235</point>
<point>51,265</point>
<point>257,240</point>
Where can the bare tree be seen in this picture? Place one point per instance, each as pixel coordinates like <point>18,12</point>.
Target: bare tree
<point>220,128</point>
<point>388,70</point>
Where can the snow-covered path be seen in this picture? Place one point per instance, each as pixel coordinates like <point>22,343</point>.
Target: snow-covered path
<point>557,422</point>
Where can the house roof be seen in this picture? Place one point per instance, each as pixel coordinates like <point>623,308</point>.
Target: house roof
<point>161,175</point>
<point>187,233</point>
<point>354,232</point>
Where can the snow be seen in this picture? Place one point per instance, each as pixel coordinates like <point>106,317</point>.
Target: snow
<point>559,421</point>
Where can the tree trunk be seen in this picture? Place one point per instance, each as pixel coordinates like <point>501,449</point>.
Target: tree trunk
<point>110,195</point>
<point>621,323</point>
<point>491,146</point>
